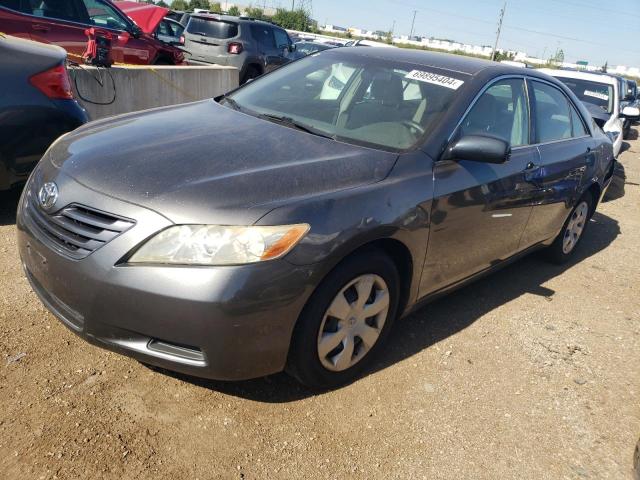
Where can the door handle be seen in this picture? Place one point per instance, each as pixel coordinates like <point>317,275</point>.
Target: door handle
<point>39,27</point>
<point>531,167</point>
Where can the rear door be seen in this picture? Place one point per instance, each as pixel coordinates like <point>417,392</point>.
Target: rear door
<point>480,210</point>
<point>566,148</point>
<point>13,20</point>
<point>283,47</point>
<point>61,22</point>
<point>266,43</point>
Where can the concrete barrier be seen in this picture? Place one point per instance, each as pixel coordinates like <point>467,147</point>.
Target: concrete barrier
<point>106,92</point>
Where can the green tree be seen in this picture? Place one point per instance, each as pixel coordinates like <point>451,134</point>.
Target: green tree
<point>388,38</point>
<point>204,4</point>
<point>255,12</point>
<point>503,56</point>
<point>216,7</point>
<point>294,20</point>
<point>179,5</point>
<point>162,4</point>
<point>234,11</point>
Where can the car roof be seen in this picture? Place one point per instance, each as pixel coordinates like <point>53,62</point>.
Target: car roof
<point>580,75</point>
<point>231,18</point>
<point>445,61</point>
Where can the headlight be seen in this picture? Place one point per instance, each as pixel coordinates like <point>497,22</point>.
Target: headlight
<point>219,245</point>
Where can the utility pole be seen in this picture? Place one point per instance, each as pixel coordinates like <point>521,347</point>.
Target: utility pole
<point>413,23</point>
<point>393,28</point>
<point>495,46</point>
<point>293,5</point>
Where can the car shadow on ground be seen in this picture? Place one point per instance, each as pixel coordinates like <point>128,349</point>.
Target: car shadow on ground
<point>8,205</point>
<point>439,320</point>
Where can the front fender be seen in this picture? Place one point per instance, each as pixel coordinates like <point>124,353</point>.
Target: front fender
<point>397,207</point>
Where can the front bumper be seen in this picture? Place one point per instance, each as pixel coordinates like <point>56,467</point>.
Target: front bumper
<point>226,323</point>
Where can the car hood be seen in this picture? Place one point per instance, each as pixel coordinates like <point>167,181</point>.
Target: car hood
<point>146,16</point>
<point>205,163</point>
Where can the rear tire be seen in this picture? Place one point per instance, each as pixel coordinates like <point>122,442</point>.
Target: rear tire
<point>565,244</point>
<point>251,73</point>
<point>340,331</point>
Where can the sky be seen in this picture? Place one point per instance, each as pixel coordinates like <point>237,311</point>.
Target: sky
<point>597,31</point>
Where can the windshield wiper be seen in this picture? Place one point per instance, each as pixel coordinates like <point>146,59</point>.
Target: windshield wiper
<point>231,102</point>
<point>290,122</point>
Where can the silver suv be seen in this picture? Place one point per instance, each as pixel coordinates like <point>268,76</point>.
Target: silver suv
<point>253,46</point>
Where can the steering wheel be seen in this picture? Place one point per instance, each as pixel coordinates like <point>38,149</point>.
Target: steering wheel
<point>414,126</point>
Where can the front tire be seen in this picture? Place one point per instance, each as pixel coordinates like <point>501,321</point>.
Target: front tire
<point>572,231</point>
<point>345,322</point>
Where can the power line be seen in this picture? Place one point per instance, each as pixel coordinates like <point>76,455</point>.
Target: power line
<point>522,29</point>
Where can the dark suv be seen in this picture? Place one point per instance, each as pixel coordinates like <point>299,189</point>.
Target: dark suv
<point>252,46</point>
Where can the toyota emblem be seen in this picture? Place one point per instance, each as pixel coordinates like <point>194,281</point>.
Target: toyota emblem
<point>47,195</point>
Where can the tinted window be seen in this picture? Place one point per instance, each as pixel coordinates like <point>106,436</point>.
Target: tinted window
<point>552,113</point>
<point>282,39</point>
<point>212,28</point>
<point>59,9</point>
<point>501,111</point>
<point>12,4</point>
<point>103,15</point>
<point>579,130</point>
<point>170,29</point>
<point>359,100</point>
<point>264,36</point>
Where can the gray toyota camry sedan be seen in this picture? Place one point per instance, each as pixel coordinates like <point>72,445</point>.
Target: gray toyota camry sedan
<point>285,226</point>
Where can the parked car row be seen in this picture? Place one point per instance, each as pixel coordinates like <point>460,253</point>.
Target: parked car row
<point>145,33</point>
<point>311,207</point>
<point>611,100</point>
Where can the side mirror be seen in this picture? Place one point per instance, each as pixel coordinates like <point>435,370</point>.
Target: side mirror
<point>136,31</point>
<point>479,148</point>
<point>631,112</point>
<point>293,47</point>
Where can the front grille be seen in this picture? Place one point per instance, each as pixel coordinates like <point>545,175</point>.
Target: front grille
<point>76,230</point>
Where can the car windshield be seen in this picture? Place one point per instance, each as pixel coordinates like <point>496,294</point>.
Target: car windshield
<point>212,28</point>
<point>308,48</point>
<point>598,94</point>
<point>365,101</point>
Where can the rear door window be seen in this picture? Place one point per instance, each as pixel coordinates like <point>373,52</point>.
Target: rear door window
<point>264,36</point>
<point>579,130</point>
<point>552,113</point>
<point>72,11</point>
<point>282,39</point>
<point>212,28</point>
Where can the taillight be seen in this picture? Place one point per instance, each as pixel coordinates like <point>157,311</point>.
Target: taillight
<point>54,83</point>
<point>235,48</point>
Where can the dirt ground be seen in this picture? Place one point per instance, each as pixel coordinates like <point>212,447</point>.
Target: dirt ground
<point>533,372</point>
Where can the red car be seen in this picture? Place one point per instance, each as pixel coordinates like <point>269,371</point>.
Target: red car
<point>63,22</point>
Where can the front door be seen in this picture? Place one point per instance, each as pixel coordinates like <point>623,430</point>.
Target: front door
<point>480,210</point>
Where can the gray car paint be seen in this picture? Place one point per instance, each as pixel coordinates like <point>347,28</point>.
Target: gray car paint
<point>435,217</point>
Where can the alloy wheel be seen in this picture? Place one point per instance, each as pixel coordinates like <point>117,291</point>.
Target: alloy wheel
<point>575,227</point>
